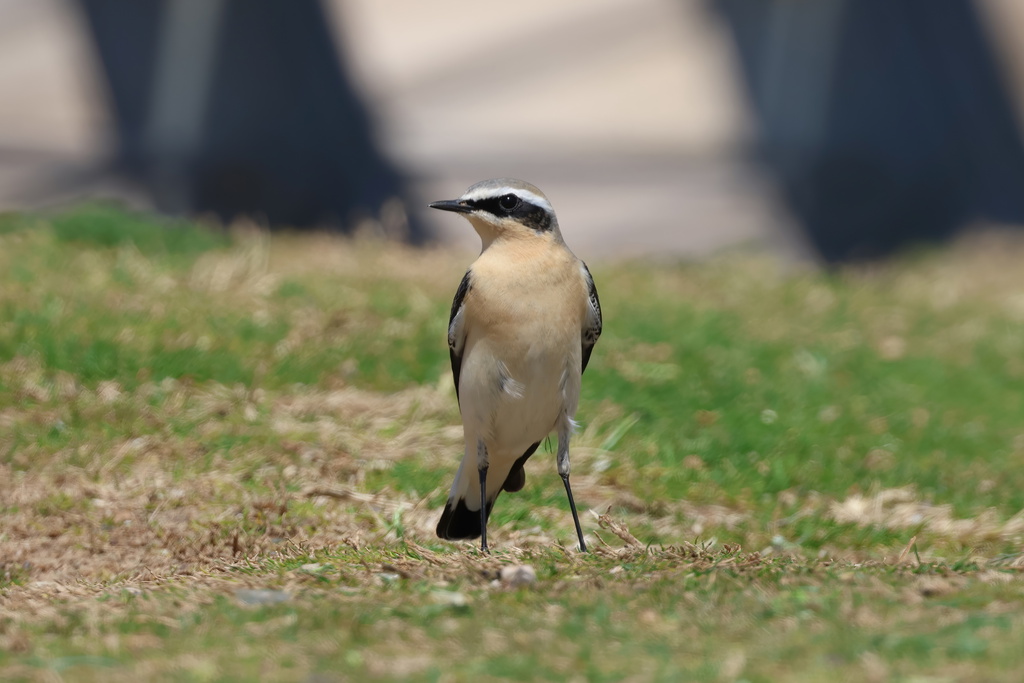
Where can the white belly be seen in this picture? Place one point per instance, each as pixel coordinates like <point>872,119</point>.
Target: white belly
<point>514,397</point>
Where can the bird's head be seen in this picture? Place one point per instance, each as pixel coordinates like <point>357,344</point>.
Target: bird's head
<point>505,208</point>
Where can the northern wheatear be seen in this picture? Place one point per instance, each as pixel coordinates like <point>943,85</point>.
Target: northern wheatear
<point>523,324</point>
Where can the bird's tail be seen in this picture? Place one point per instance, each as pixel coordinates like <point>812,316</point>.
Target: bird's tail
<point>459,521</point>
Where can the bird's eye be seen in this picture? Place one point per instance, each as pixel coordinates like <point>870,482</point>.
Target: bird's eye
<point>508,202</point>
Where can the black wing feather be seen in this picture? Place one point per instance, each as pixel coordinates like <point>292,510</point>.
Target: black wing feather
<point>592,331</point>
<point>456,357</point>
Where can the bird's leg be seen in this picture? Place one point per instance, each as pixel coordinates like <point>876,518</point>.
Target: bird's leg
<point>481,465</point>
<point>563,471</point>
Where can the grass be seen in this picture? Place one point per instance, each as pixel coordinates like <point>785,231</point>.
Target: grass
<point>787,474</point>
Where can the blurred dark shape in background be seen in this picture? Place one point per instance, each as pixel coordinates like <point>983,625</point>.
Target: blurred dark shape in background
<point>885,122</point>
<point>242,107</point>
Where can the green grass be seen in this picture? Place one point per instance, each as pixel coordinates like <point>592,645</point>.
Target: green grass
<point>106,225</point>
<point>807,476</point>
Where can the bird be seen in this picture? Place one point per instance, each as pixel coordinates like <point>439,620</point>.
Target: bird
<point>523,324</point>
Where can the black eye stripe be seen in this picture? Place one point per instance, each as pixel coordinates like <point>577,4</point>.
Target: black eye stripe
<point>512,206</point>
<point>499,206</point>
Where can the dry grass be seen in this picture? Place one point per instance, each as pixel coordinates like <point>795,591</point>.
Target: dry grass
<point>230,465</point>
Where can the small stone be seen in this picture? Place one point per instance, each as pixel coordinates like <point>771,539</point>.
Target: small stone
<point>449,598</point>
<point>261,596</point>
<point>516,577</point>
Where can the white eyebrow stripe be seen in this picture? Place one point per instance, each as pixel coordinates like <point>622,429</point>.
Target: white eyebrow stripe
<point>525,195</point>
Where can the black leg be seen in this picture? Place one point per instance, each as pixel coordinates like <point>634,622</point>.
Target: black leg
<point>563,471</point>
<point>575,516</point>
<point>483,510</point>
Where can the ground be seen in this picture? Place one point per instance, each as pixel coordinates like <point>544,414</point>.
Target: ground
<point>222,455</point>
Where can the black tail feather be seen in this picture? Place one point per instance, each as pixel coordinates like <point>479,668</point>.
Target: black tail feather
<point>459,522</point>
<point>516,479</point>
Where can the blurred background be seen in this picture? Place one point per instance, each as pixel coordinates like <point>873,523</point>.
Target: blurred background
<point>837,129</point>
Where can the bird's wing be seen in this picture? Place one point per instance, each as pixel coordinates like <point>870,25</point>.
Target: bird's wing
<point>592,322</point>
<point>457,330</point>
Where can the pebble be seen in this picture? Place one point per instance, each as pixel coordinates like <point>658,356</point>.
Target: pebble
<point>518,576</point>
<point>261,596</point>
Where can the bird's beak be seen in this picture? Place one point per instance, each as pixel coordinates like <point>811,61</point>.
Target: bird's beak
<point>452,205</point>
